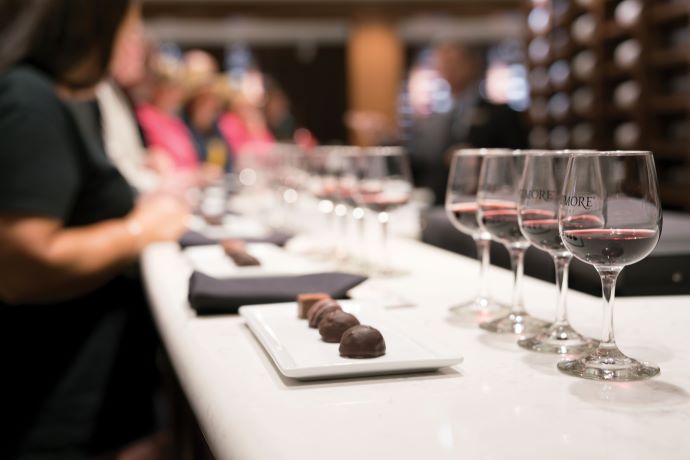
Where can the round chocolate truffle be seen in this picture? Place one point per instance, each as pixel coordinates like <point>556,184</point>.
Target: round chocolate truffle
<point>362,342</point>
<point>318,307</point>
<point>322,314</point>
<point>334,324</point>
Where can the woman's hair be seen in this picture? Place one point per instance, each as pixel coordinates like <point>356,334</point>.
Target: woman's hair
<point>69,40</point>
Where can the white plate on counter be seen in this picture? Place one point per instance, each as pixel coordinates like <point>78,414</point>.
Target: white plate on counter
<point>298,351</point>
<point>275,261</point>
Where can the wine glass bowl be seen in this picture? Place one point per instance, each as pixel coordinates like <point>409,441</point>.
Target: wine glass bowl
<point>610,217</point>
<point>540,197</point>
<point>385,184</point>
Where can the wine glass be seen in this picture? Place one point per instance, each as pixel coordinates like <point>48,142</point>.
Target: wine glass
<point>385,185</point>
<point>461,207</point>
<point>497,197</point>
<point>339,165</point>
<point>610,217</point>
<point>349,183</point>
<point>540,195</point>
<point>322,186</point>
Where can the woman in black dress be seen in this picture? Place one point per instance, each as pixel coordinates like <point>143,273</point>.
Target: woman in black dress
<point>75,347</point>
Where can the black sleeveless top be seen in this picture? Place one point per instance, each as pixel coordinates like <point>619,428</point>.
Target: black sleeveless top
<point>56,358</point>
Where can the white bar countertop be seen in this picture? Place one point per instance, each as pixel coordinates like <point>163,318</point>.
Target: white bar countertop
<point>502,402</point>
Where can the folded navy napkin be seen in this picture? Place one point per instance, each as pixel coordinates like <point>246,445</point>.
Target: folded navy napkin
<point>192,238</point>
<point>211,296</point>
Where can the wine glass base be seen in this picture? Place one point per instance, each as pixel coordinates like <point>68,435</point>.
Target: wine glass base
<point>386,272</point>
<point>515,324</point>
<point>608,364</point>
<point>560,339</point>
<point>477,311</point>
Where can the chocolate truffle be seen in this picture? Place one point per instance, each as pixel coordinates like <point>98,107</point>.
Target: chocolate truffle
<point>237,251</point>
<point>362,342</point>
<point>317,308</point>
<point>307,300</point>
<point>322,314</point>
<point>334,324</point>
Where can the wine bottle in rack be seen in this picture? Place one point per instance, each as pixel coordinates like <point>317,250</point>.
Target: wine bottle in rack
<point>627,54</point>
<point>627,135</point>
<point>559,73</point>
<point>559,137</point>
<point>583,100</point>
<point>628,12</point>
<point>627,94</point>
<point>584,29</point>
<point>584,64</point>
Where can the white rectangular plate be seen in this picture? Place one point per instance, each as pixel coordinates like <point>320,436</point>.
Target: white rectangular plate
<point>299,352</point>
<point>275,261</point>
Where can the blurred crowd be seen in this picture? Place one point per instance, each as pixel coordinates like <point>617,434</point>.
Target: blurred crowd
<point>172,119</point>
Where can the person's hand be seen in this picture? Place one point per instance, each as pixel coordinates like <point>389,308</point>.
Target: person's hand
<point>158,218</point>
<point>209,174</point>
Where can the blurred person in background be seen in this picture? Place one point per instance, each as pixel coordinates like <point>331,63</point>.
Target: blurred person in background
<point>160,116</point>
<point>470,120</point>
<point>78,344</point>
<point>122,135</point>
<point>277,111</point>
<point>207,93</point>
<point>244,124</point>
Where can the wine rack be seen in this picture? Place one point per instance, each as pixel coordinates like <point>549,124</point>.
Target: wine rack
<point>614,74</point>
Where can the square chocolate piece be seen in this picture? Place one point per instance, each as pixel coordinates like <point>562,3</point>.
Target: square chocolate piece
<point>307,300</point>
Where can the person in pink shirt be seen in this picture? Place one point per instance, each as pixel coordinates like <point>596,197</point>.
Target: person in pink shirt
<point>244,125</point>
<point>163,128</point>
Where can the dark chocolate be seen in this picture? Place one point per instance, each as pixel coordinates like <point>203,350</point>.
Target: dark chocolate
<point>317,307</point>
<point>244,259</point>
<point>316,320</point>
<point>307,300</point>
<point>237,251</point>
<point>334,324</point>
<point>362,342</point>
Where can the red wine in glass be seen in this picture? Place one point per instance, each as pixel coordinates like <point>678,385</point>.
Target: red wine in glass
<point>465,216</point>
<point>541,229</point>
<point>382,202</point>
<point>500,219</point>
<point>610,246</point>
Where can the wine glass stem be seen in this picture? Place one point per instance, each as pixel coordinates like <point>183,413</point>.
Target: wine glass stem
<point>383,220</point>
<point>562,264</point>
<point>334,227</point>
<point>359,215</point>
<point>483,248</point>
<point>608,289</point>
<point>341,246</point>
<point>517,258</point>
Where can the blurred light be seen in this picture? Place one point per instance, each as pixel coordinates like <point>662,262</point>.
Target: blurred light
<point>538,20</point>
<point>248,177</point>
<point>340,210</point>
<point>325,206</point>
<point>507,84</point>
<point>290,196</point>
